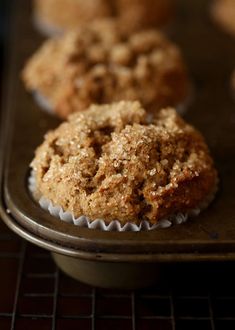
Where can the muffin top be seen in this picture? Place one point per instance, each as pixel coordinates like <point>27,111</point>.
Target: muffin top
<point>99,64</point>
<point>112,162</point>
<point>135,15</point>
<point>130,14</point>
<point>223,12</point>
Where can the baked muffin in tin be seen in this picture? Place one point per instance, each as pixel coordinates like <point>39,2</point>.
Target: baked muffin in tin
<point>112,162</point>
<point>223,13</point>
<point>57,16</point>
<point>100,64</point>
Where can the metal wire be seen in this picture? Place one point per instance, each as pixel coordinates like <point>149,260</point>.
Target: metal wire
<point>18,283</point>
<point>172,312</point>
<point>93,315</point>
<point>212,320</point>
<point>44,294</point>
<point>133,310</point>
<point>55,296</point>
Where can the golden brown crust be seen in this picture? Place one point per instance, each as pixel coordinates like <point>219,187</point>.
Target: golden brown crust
<point>98,64</point>
<point>131,14</point>
<point>111,163</point>
<point>67,14</point>
<point>223,12</point>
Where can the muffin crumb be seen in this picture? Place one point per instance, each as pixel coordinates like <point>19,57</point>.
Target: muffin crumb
<point>110,163</point>
<point>99,64</point>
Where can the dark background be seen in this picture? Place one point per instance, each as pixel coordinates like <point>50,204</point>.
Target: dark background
<point>4,25</point>
<point>2,30</point>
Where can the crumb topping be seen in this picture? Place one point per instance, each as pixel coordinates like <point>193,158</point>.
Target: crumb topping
<point>223,12</point>
<point>99,64</point>
<point>111,162</point>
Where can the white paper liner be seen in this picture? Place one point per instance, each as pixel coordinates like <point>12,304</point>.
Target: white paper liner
<point>46,28</point>
<point>51,30</point>
<point>182,107</point>
<point>115,225</point>
<point>45,105</point>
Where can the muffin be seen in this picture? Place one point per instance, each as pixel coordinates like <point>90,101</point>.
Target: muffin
<point>56,16</point>
<point>135,15</point>
<point>112,162</point>
<point>100,64</point>
<point>223,12</point>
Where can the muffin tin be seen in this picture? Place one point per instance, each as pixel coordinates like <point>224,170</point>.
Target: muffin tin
<point>125,259</point>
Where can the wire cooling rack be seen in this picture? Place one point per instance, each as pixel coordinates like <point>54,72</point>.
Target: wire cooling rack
<point>34,294</point>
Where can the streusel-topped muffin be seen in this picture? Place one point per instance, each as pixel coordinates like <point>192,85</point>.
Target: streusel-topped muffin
<point>223,12</point>
<point>135,15</point>
<point>110,162</point>
<point>56,16</point>
<point>99,64</point>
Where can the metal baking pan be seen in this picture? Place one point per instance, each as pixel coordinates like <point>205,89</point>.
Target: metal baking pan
<point>94,254</point>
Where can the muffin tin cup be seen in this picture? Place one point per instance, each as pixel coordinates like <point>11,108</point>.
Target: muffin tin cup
<point>107,274</point>
<point>115,225</point>
<point>99,273</point>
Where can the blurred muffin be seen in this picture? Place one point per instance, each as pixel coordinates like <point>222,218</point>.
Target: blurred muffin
<point>110,162</point>
<point>141,14</point>
<point>56,16</point>
<point>223,12</point>
<point>99,64</point>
